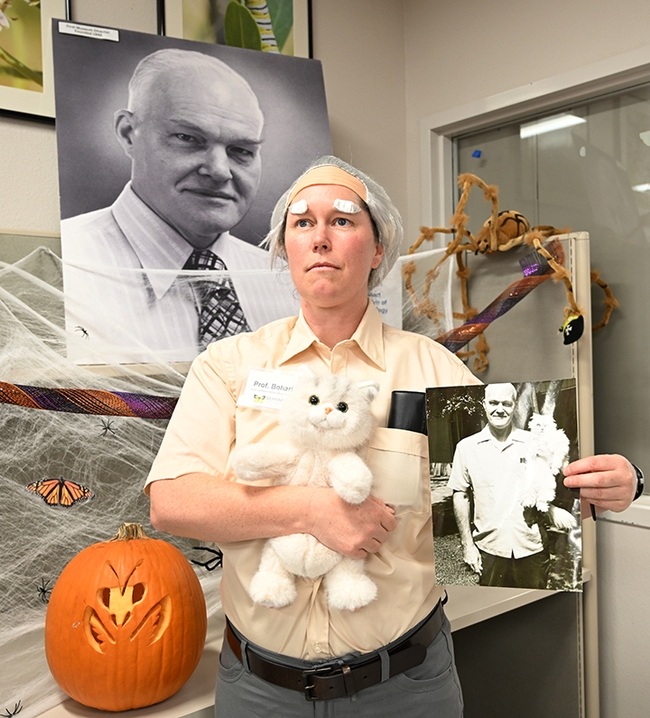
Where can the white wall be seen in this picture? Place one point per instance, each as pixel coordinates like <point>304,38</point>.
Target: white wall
<point>624,588</point>
<point>361,46</point>
<point>29,199</point>
<point>461,52</point>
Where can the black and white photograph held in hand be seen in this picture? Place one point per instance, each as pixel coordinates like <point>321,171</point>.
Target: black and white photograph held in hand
<point>502,516</point>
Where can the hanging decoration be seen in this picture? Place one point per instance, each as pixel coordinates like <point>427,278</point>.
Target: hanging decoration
<point>503,231</point>
<point>535,273</point>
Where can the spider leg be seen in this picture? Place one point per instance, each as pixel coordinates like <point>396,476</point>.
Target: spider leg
<point>211,564</point>
<point>10,713</point>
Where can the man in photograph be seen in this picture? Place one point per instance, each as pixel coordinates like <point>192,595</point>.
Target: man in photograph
<point>487,472</point>
<point>192,131</point>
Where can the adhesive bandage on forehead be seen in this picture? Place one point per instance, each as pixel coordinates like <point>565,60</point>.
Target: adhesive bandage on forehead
<point>370,196</point>
<point>346,206</point>
<point>299,207</point>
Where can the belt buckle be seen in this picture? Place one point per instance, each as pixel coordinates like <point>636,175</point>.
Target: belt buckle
<point>308,687</point>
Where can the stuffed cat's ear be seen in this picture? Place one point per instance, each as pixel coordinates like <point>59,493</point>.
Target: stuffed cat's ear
<point>369,389</point>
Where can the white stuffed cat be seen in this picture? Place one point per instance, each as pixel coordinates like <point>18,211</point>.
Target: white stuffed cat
<point>328,419</point>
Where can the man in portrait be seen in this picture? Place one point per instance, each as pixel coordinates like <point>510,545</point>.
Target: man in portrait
<point>500,541</point>
<point>172,155</point>
<point>192,131</point>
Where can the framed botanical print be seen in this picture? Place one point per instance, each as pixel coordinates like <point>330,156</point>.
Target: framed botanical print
<point>26,71</point>
<point>273,26</point>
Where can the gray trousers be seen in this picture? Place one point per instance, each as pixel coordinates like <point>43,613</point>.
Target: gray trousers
<point>430,690</point>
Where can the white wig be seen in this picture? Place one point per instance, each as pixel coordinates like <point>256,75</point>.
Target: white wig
<point>385,217</point>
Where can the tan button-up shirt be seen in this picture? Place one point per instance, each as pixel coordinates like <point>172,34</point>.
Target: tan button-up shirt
<point>208,423</point>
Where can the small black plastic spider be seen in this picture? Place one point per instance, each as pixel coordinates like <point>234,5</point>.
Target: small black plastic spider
<point>44,590</point>
<point>83,331</point>
<point>107,425</point>
<point>212,563</point>
<point>10,713</point>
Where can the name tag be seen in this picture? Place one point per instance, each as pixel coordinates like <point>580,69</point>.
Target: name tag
<point>266,389</point>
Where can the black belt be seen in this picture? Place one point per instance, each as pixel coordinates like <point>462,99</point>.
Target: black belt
<point>335,681</point>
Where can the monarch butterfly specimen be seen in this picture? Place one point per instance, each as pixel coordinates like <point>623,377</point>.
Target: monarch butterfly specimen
<point>60,492</point>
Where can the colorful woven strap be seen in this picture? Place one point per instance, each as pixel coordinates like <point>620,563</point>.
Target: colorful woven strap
<point>88,401</point>
<point>536,271</point>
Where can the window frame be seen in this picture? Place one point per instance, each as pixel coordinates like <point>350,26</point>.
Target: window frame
<point>437,132</point>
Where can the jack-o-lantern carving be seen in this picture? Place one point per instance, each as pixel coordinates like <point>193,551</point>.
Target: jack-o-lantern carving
<point>126,622</point>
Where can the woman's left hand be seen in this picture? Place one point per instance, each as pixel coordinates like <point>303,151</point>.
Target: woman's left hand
<point>608,481</point>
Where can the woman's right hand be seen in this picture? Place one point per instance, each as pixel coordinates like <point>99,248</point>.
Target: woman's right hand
<point>351,529</point>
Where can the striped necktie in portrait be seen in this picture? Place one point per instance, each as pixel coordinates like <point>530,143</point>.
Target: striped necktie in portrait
<point>220,313</point>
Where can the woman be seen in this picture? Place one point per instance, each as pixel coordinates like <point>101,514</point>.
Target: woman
<point>340,234</point>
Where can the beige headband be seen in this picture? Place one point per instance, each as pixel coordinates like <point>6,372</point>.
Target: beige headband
<point>329,174</point>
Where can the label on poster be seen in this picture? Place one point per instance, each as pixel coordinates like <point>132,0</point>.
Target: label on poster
<point>97,33</point>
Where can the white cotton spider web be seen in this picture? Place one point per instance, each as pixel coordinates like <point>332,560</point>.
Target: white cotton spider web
<point>427,309</point>
<point>109,455</point>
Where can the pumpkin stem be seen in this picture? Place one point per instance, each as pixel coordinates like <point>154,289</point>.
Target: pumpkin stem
<point>126,532</point>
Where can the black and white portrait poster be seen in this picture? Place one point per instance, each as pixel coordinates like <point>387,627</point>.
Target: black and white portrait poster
<point>172,155</point>
<point>502,515</point>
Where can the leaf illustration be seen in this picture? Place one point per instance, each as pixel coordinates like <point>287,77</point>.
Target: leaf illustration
<point>282,18</point>
<point>240,28</point>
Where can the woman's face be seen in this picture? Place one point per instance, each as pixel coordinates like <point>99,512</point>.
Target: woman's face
<point>331,253</point>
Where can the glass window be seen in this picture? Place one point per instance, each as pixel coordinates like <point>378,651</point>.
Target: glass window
<point>592,175</point>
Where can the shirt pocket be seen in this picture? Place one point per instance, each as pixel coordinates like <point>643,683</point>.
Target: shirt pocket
<point>399,462</point>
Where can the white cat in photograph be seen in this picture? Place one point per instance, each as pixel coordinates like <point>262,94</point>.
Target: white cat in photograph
<point>545,457</point>
<point>326,419</point>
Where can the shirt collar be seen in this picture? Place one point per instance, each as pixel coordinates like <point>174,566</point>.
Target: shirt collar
<point>515,436</point>
<point>161,250</point>
<point>369,337</point>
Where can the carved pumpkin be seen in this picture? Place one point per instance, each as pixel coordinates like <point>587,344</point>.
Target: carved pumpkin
<point>126,622</point>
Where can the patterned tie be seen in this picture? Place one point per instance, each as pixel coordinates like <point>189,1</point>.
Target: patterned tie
<point>220,313</point>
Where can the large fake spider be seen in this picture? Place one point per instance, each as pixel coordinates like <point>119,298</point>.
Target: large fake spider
<point>503,231</point>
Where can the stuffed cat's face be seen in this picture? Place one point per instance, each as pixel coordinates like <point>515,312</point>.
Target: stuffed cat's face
<point>330,412</point>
